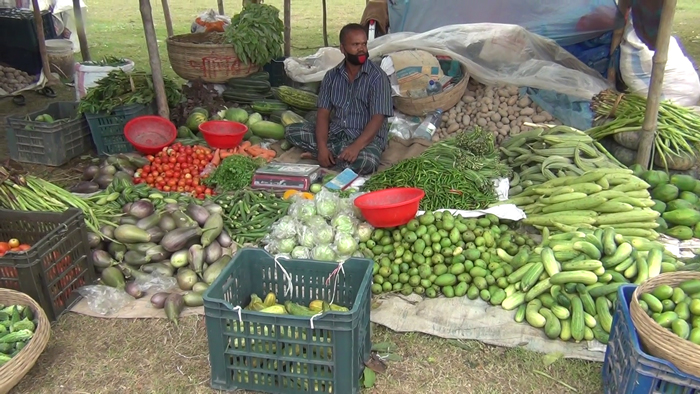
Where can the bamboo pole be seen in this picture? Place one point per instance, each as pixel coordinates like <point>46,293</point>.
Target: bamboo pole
<point>646,142</point>
<point>168,19</point>
<point>325,23</point>
<point>80,27</point>
<point>46,68</point>
<point>154,57</point>
<point>220,3</point>
<point>287,28</point>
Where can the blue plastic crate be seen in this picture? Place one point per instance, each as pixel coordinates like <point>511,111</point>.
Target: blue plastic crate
<point>285,354</point>
<point>628,370</point>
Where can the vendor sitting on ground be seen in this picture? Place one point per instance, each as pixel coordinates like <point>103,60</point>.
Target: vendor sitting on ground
<point>354,103</point>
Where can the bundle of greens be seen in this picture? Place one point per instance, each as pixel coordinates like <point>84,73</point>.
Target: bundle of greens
<point>234,173</point>
<point>120,88</point>
<point>256,34</point>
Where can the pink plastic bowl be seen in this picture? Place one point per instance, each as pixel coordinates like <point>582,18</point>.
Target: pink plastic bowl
<point>150,134</point>
<point>223,134</point>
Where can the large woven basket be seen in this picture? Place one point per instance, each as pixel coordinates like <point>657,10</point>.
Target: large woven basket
<point>14,370</point>
<point>658,341</point>
<point>205,56</point>
<point>444,100</point>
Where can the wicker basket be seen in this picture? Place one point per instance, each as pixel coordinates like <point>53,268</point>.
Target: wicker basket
<point>444,100</point>
<point>203,55</point>
<point>14,370</point>
<point>658,341</point>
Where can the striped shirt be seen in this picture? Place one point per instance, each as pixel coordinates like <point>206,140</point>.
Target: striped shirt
<point>352,104</point>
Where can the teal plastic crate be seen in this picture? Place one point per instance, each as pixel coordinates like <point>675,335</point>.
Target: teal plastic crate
<point>108,129</point>
<point>282,353</point>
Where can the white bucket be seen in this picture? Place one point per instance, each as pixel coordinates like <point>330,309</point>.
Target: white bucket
<point>61,60</point>
<point>87,76</point>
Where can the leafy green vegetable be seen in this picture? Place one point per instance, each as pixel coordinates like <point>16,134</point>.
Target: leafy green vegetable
<point>234,173</point>
<point>256,34</point>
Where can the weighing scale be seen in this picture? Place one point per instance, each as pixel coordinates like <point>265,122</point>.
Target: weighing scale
<point>286,176</point>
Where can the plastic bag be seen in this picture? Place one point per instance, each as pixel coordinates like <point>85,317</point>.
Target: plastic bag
<point>286,227</point>
<point>363,231</point>
<point>210,21</point>
<point>323,253</point>
<point>323,234</point>
<point>305,237</point>
<point>344,222</point>
<point>493,54</point>
<point>104,299</point>
<point>302,209</point>
<point>283,245</point>
<point>402,127</point>
<point>155,282</point>
<point>344,244</point>
<point>327,203</point>
<point>301,252</point>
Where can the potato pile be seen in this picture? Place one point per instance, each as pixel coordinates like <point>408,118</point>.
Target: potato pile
<point>12,80</point>
<point>498,109</point>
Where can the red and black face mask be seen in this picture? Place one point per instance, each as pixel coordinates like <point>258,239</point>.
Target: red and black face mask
<point>358,59</point>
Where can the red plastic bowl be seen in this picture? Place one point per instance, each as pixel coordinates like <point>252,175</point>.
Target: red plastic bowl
<point>390,207</point>
<point>150,134</point>
<point>223,134</point>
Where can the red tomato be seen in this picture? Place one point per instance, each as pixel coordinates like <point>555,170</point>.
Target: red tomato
<point>166,188</point>
<point>146,168</point>
<point>24,247</point>
<point>4,247</point>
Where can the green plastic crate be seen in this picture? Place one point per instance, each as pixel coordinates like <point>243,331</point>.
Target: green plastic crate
<point>282,353</point>
<point>108,129</point>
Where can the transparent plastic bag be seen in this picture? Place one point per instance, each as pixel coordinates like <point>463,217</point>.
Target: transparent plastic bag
<point>344,222</point>
<point>301,252</point>
<point>286,227</point>
<point>305,237</point>
<point>363,231</point>
<point>155,282</point>
<point>344,244</point>
<point>302,209</point>
<point>323,253</point>
<point>283,245</point>
<point>402,127</point>
<point>327,203</point>
<point>105,300</point>
<point>323,234</point>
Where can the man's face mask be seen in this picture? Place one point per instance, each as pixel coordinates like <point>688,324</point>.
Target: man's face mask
<point>356,59</point>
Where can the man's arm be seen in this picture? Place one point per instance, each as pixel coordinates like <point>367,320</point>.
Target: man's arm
<point>323,105</point>
<point>380,107</point>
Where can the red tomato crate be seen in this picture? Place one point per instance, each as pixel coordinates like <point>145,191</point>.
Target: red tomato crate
<point>58,262</point>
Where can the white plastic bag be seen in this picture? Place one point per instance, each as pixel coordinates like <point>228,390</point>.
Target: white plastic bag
<point>493,53</point>
<point>209,21</point>
<point>681,82</point>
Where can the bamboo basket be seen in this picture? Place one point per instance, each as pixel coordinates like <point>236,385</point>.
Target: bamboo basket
<point>14,370</point>
<point>205,56</point>
<point>658,341</point>
<point>443,100</point>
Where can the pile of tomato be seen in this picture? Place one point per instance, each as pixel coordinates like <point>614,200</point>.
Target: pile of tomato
<point>13,245</point>
<point>177,168</point>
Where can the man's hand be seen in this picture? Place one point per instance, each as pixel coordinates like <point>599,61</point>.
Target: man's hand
<point>325,157</point>
<point>350,153</point>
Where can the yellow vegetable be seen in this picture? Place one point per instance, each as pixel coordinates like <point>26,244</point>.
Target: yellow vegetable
<point>316,305</point>
<point>275,309</point>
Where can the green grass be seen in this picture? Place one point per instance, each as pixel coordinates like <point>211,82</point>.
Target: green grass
<point>118,31</point>
<point>686,27</point>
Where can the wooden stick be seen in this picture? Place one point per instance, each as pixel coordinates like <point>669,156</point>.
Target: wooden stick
<point>46,68</point>
<point>646,142</point>
<point>220,3</point>
<point>168,19</point>
<point>287,28</point>
<point>80,27</point>
<point>325,23</point>
<point>154,57</point>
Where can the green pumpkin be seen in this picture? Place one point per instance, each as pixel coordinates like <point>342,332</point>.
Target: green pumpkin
<point>194,120</point>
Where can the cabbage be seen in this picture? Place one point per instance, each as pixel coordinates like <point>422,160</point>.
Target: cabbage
<point>343,223</point>
<point>315,221</point>
<point>286,227</point>
<point>323,234</point>
<point>364,231</point>
<point>345,244</point>
<point>306,237</point>
<point>300,252</point>
<point>303,209</point>
<point>323,253</point>
<point>286,245</point>
<point>327,204</point>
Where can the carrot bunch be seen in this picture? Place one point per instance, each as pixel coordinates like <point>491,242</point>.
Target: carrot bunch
<point>244,149</point>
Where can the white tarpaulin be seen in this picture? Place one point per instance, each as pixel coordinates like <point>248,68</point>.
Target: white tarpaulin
<point>493,54</point>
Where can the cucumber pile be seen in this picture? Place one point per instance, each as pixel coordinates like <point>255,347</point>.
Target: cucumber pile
<point>675,308</point>
<point>601,198</point>
<point>677,200</point>
<point>566,285</point>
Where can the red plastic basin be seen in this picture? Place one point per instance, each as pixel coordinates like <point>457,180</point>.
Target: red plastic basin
<point>150,134</point>
<point>223,134</point>
<point>390,207</point>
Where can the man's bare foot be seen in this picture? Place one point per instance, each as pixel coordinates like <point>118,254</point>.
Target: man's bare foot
<point>307,155</point>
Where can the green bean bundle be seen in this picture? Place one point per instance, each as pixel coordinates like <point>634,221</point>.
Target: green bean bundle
<point>676,129</point>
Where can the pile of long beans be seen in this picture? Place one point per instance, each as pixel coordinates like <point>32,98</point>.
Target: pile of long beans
<point>676,129</point>
<point>29,193</point>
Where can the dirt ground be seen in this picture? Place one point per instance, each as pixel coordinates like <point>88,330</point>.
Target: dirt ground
<point>100,356</point>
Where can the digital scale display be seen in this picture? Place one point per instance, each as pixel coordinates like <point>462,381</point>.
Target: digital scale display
<point>286,176</point>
